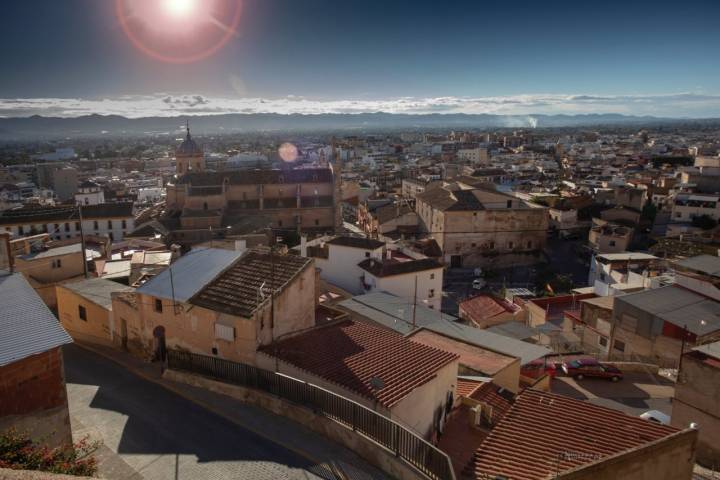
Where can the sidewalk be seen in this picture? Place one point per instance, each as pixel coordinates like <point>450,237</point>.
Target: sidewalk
<point>342,462</point>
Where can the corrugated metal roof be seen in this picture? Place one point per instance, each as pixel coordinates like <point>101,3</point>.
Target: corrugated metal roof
<point>190,273</point>
<point>710,349</point>
<point>27,326</point>
<point>627,256</point>
<point>396,313</point>
<point>97,290</point>
<point>707,264</point>
<point>681,307</point>
<point>516,330</point>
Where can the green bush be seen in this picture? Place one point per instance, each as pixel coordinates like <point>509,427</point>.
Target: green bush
<point>18,452</point>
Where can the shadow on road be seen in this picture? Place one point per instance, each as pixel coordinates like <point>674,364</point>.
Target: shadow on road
<point>160,422</point>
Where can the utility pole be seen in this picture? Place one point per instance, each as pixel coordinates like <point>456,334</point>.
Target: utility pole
<point>414,303</point>
<point>82,241</point>
<point>682,350</point>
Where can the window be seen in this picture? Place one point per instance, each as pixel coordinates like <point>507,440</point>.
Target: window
<point>224,332</point>
<point>473,245</point>
<point>21,230</point>
<point>367,254</point>
<point>431,293</point>
<point>112,237</point>
<point>95,225</point>
<point>678,214</point>
<point>317,222</point>
<point>205,206</point>
<point>432,276</point>
<point>529,244</point>
<point>279,223</point>
<point>509,204</point>
<point>57,263</point>
<point>77,226</point>
<point>158,305</point>
<point>110,224</point>
<point>82,313</point>
<point>124,224</point>
<point>602,341</point>
<point>67,227</point>
<point>612,243</point>
<point>619,346</point>
<point>492,245</point>
<point>511,245</point>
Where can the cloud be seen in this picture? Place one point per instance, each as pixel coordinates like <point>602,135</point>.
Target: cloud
<point>696,105</point>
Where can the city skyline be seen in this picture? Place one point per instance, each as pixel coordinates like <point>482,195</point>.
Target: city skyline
<point>297,57</point>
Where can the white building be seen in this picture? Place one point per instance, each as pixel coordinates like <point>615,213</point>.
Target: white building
<point>89,193</point>
<point>339,259</point>
<point>689,205</point>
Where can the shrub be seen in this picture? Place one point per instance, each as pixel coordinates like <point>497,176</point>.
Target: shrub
<point>18,452</point>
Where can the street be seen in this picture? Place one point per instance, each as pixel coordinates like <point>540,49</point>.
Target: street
<point>161,435</point>
<point>635,394</point>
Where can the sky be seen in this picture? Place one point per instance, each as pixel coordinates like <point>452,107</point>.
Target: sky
<point>73,57</point>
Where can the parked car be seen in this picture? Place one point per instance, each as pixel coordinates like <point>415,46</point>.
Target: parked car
<point>479,284</point>
<point>656,416</point>
<point>588,367</point>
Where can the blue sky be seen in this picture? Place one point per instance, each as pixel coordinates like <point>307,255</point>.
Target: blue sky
<point>658,57</point>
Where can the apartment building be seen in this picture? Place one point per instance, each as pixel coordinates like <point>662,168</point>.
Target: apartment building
<point>479,226</point>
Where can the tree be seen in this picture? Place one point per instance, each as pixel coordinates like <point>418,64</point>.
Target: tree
<point>705,222</point>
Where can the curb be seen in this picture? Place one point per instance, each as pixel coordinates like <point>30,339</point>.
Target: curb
<point>329,465</point>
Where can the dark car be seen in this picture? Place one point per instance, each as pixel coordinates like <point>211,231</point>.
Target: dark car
<point>582,368</point>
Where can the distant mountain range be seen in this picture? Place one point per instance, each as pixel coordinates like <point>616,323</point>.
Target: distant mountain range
<point>39,127</point>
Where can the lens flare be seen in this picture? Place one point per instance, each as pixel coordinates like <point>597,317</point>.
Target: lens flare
<point>288,152</point>
<point>179,31</point>
<point>180,8</point>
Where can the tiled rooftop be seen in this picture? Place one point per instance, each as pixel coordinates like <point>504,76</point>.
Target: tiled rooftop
<point>544,433</point>
<point>236,291</point>
<point>351,353</point>
<point>484,307</point>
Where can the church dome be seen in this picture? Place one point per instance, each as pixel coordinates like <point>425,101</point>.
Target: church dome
<point>188,146</point>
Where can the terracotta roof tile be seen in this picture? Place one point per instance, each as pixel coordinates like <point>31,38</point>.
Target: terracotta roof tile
<point>465,387</point>
<point>236,291</point>
<point>484,307</point>
<point>544,432</point>
<point>351,353</point>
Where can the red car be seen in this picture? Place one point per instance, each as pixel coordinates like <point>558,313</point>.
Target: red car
<point>584,367</point>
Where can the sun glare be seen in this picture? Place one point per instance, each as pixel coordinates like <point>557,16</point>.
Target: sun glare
<point>179,8</point>
<point>179,31</point>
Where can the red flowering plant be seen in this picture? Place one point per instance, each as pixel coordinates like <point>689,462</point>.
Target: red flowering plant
<point>19,452</point>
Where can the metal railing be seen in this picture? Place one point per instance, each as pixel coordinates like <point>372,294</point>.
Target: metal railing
<point>403,443</point>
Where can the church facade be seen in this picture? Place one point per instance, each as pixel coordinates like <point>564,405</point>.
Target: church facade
<point>288,199</point>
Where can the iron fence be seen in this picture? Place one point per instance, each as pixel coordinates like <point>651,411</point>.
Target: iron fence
<point>406,445</point>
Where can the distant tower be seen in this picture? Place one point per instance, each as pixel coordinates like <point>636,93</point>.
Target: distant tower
<point>188,156</point>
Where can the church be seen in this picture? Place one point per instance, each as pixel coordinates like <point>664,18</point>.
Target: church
<point>288,199</point>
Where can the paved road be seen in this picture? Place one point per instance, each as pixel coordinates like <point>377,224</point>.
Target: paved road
<point>635,394</point>
<point>163,436</point>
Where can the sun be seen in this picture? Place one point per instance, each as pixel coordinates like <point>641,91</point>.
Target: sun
<point>179,8</point>
<point>179,31</point>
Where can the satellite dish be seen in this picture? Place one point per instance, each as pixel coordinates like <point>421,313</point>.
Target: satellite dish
<point>377,383</point>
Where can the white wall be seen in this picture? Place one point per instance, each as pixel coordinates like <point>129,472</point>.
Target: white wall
<point>341,267</point>
<point>72,231</point>
<point>403,286</point>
